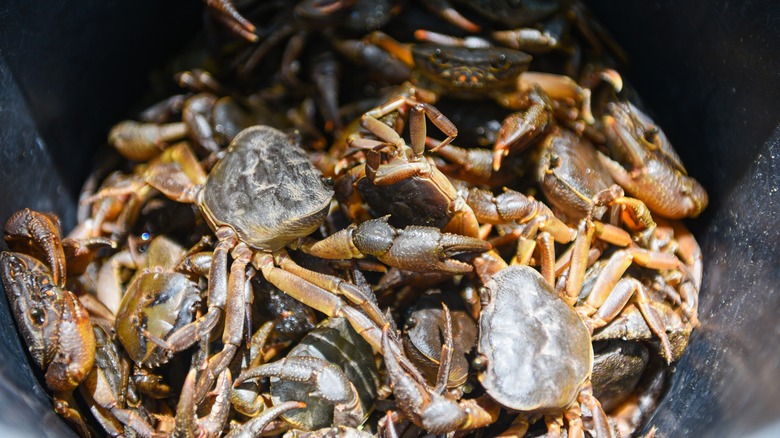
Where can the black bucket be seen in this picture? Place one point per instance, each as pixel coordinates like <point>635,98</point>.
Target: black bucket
<point>710,70</point>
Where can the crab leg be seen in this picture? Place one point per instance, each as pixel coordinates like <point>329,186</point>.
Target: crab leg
<point>317,298</point>
<point>139,141</point>
<point>417,129</point>
<point>514,206</point>
<point>353,293</point>
<point>473,165</point>
<point>445,10</point>
<point>186,409</point>
<point>611,292</point>
<point>235,308</point>
<point>601,426</point>
<point>573,417</point>
<point>401,51</point>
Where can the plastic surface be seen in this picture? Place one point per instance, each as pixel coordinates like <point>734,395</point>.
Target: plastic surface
<point>708,69</point>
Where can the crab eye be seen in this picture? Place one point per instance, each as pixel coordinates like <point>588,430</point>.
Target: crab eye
<point>555,161</point>
<point>500,63</point>
<point>438,56</point>
<point>37,316</point>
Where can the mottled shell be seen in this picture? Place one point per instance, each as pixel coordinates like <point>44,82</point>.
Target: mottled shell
<point>266,189</point>
<point>538,351</point>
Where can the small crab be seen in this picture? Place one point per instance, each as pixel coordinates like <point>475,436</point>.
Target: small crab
<point>55,326</point>
<point>486,72</point>
<point>570,175</point>
<point>331,370</point>
<point>423,334</point>
<point>407,185</point>
<point>643,161</point>
<point>262,195</point>
<point>432,408</point>
<point>159,300</point>
<point>535,351</point>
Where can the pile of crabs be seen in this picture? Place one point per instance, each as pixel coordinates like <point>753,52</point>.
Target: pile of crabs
<point>342,224</point>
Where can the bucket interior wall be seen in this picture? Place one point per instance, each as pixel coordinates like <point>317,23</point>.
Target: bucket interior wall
<point>708,69</point>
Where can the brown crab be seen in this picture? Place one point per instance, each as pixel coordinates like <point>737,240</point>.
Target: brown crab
<point>643,161</point>
<point>262,195</point>
<point>332,370</point>
<point>481,72</point>
<point>407,185</point>
<point>160,299</point>
<point>55,326</point>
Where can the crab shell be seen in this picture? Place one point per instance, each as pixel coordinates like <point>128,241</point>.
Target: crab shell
<point>570,174</point>
<point>470,70</point>
<point>266,190</point>
<point>538,351</point>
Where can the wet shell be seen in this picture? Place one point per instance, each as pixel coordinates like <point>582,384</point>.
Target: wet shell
<point>538,351</point>
<point>266,189</point>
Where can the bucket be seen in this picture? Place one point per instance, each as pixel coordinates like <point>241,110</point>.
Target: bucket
<point>708,70</point>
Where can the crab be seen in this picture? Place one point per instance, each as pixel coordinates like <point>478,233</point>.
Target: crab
<point>422,339</point>
<point>262,195</point>
<point>553,376</point>
<point>643,161</point>
<point>160,299</point>
<point>432,408</point>
<point>483,71</point>
<point>55,326</point>
<point>331,370</point>
<point>407,185</point>
<point>570,175</point>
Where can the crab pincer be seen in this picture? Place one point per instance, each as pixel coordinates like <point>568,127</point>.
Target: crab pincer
<point>329,381</point>
<point>414,248</point>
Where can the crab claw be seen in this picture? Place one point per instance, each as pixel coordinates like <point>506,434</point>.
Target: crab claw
<point>415,248</point>
<point>40,231</point>
<point>435,413</point>
<point>328,383</point>
<point>520,128</point>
